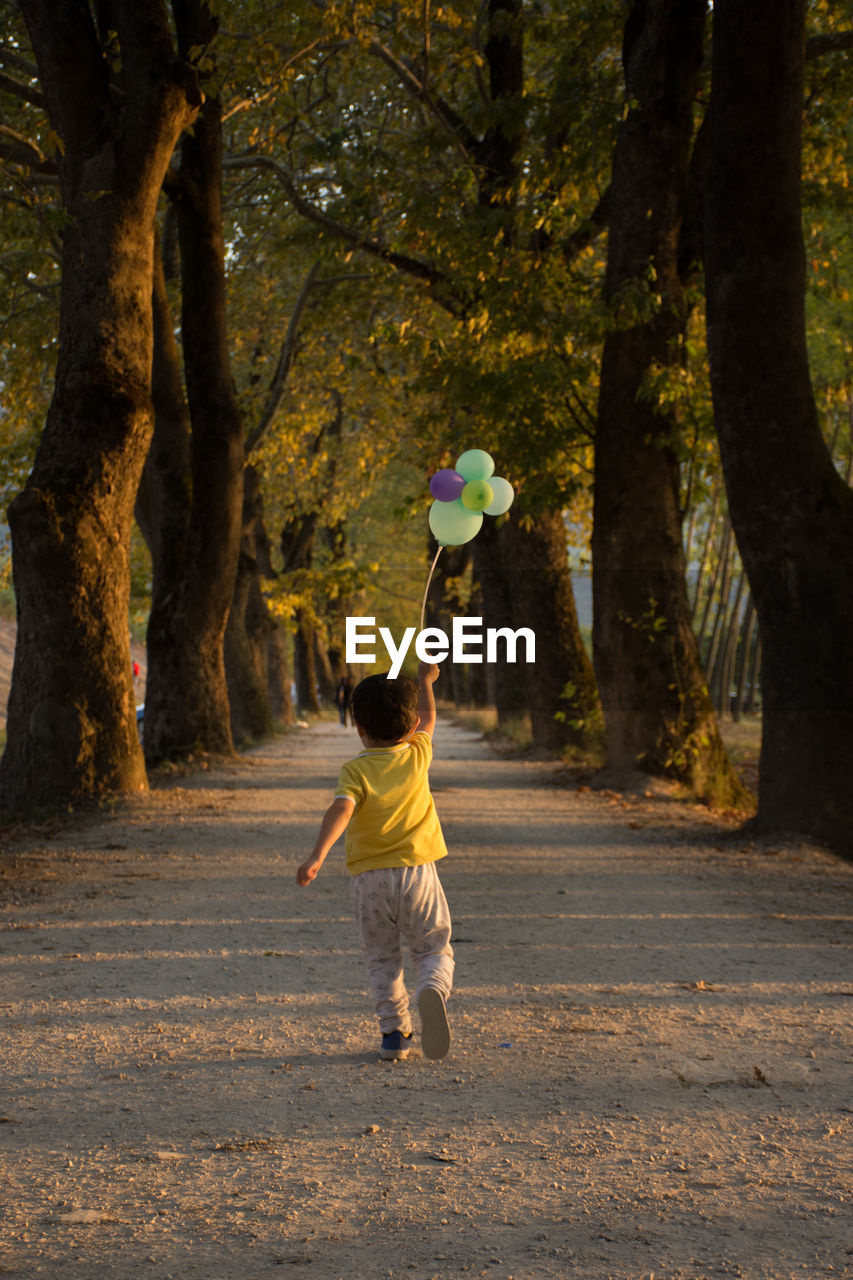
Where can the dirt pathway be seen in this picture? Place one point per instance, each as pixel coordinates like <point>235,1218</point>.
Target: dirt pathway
<point>651,1071</point>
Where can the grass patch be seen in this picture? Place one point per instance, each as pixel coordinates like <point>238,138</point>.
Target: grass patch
<point>513,733</point>
<point>478,719</point>
<point>742,740</point>
<point>7,604</point>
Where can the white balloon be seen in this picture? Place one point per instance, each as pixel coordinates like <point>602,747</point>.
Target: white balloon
<point>503,496</point>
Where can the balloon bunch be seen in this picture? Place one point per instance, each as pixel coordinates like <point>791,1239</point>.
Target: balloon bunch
<point>463,496</point>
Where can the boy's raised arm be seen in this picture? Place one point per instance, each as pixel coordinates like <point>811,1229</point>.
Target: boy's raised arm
<point>427,675</point>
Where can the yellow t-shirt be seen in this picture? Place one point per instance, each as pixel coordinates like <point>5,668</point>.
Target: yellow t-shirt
<point>395,823</point>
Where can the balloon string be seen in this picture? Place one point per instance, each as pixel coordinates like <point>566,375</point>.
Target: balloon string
<point>426,588</point>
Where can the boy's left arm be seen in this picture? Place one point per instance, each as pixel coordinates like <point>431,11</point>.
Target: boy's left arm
<point>334,824</point>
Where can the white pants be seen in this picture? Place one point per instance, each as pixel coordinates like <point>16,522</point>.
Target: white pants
<point>402,903</point>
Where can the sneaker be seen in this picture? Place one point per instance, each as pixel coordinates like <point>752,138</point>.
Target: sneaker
<point>435,1032</point>
<point>395,1045</point>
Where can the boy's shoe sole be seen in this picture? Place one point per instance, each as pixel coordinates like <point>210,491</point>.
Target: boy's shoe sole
<point>435,1031</point>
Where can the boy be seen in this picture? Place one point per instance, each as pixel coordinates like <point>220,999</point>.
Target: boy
<point>393,841</point>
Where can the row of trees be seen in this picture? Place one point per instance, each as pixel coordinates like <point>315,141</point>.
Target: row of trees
<point>381,236</point>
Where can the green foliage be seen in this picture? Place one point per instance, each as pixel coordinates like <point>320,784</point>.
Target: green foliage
<point>827,175</point>
<point>382,146</point>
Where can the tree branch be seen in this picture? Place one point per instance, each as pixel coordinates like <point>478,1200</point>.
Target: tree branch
<point>452,123</point>
<point>12,58</point>
<point>71,69</point>
<point>424,271</point>
<point>20,150</point>
<point>832,42</point>
<point>285,363</point>
<point>23,91</point>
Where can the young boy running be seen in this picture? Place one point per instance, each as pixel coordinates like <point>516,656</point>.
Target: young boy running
<point>393,841</point>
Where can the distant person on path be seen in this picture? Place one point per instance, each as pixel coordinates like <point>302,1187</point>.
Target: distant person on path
<point>393,841</point>
<point>343,698</point>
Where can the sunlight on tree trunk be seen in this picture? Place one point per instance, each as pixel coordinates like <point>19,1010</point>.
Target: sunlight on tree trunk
<point>71,720</point>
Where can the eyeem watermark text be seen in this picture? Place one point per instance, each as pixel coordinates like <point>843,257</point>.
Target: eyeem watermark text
<point>467,643</point>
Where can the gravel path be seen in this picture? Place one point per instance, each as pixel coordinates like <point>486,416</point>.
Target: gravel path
<point>650,1075</point>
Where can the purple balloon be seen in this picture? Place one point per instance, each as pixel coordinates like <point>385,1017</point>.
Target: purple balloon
<point>447,485</point>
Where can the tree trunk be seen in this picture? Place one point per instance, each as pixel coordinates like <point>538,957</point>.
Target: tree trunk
<point>326,681</point>
<point>723,603</point>
<point>71,721</point>
<point>297,550</point>
<point>740,702</point>
<point>504,682</point>
<point>656,704</point>
<point>754,678</point>
<point>186,698</point>
<point>560,686</point>
<point>164,500</point>
<point>707,543</point>
<point>728,651</point>
<point>792,512</point>
<point>304,665</point>
<point>246,632</point>
<point>278,674</point>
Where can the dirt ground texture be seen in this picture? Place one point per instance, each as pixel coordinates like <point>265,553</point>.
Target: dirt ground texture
<point>650,1072</point>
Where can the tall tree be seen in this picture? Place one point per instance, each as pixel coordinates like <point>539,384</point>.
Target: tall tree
<point>247,634</point>
<point>118,97</point>
<point>187,699</point>
<point>792,512</point>
<point>657,708</point>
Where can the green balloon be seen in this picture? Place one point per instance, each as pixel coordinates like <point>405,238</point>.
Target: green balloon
<point>477,495</point>
<point>503,496</point>
<point>453,524</point>
<point>475,464</point>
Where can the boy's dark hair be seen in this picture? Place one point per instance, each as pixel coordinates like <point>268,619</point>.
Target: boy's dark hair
<point>387,710</point>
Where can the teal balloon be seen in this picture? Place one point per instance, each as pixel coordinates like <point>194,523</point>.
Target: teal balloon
<point>503,494</point>
<point>477,495</point>
<point>475,464</point>
<point>453,524</point>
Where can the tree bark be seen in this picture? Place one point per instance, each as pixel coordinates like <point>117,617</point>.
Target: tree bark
<point>304,665</point>
<point>504,682</point>
<point>792,512</point>
<point>740,703</point>
<point>723,600</point>
<point>247,631</point>
<point>278,674</point>
<point>164,499</point>
<point>186,698</point>
<point>657,708</point>
<point>560,686</point>
<point>721,683</point>
<point>71,720</point>
<point>297,549</point>
<point>324,671</point>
